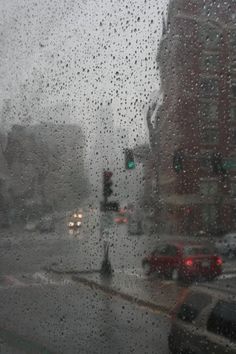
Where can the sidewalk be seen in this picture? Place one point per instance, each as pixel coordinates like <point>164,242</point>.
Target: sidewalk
<point>154,295</point>
<point>130,284</point>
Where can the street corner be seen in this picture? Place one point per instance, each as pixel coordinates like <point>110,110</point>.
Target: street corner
<point>66,268</point>
<point>60,268</point>
<point>153,294</point>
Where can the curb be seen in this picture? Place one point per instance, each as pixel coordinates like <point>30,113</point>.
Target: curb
<point>115,292</point>
<point>71,271</point>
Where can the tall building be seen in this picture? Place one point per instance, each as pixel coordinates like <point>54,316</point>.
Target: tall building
<point>196,128</point>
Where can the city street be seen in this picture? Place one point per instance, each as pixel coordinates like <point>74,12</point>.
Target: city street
<point>67,316</point>
<point>39,311</point>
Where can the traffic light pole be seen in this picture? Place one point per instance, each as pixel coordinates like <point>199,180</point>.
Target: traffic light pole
<point>106,268</point>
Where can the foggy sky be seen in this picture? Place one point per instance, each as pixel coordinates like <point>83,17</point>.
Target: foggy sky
<point>80,55</point>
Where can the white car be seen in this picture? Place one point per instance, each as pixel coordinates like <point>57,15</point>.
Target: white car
<point>227,245</point>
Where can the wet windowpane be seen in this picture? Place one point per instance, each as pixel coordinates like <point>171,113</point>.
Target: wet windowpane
<point>117,172</point>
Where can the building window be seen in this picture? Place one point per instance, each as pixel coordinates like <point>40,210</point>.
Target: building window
<point>233,189</point>
<point>210,62</point>
<point>210,136</point>
<point>233,113</point>
<point>209,215</point>
<point>233,65</point>
<point>208,111</point>
<point>233,88</point>
<point>208,188</point>
<point>233,136</point>
<point>206,160</point>
<point>209,87</point>
<point>232,39</point>
<point>209,36</point>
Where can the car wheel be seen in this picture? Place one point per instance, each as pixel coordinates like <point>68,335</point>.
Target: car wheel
<point>146,268</point>
<point>175,275</point>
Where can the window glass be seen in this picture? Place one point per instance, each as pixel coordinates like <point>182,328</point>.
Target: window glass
<point>222,320</point>
<point>209,36</point>
<point>172,250</point>
<point>233,136</point>
<point>210,136</point>
<point>193,306</point>
<point>209,215</point>
<point>194,251</point>
<point>210,62</point>
<point>233,65</point>
<point>117,139</point>
<point>233,189</point>
<point>233,89</point>
<point>232,39</point>
<point>208,188</point>
<point>209,87</point>
<point>208,111</point>
<point>161,250</point>
<point>233,113</point>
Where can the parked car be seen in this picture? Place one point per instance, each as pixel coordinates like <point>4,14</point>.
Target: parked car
<point>179,260</point>
<point>205,320</point>
<point>227,245</point>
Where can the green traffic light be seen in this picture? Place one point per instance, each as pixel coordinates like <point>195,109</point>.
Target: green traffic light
<point>131,165</point>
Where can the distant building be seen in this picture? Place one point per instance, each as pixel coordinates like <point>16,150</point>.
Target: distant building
<point>197,126</point>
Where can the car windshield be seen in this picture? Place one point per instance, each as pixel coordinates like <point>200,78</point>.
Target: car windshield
<point>117,138</point>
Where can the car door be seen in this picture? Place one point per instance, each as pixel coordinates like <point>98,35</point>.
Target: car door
<point>159,258</point>
<point>171,260</point>
<point>220,329</point>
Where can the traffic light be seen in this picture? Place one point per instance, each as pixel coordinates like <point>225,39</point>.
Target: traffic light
<point>107,183</point>
<point>129,159</point>
<point>107,192</point>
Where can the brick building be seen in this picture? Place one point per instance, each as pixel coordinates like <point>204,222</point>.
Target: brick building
<point>196,128</point>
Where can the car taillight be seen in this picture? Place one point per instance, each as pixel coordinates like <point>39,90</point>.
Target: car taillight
<point>188,262</point>
<point>219,261</point>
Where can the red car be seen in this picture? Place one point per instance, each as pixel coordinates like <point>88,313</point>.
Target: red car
<point>183,261</point>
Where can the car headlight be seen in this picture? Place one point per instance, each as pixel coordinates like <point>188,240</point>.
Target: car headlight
<point>78,223</point>
<point>80,216</point>
<point>75,215</point>
<point>71,223</point>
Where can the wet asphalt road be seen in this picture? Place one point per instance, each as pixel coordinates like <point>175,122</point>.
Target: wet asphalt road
<point>21,250</point>
<point>66,317</point>
<point>69,318</point>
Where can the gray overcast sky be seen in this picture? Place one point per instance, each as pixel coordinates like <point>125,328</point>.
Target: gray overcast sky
<point>68,57</point>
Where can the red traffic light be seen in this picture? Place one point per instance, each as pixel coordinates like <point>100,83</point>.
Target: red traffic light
<point>107,174</point>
